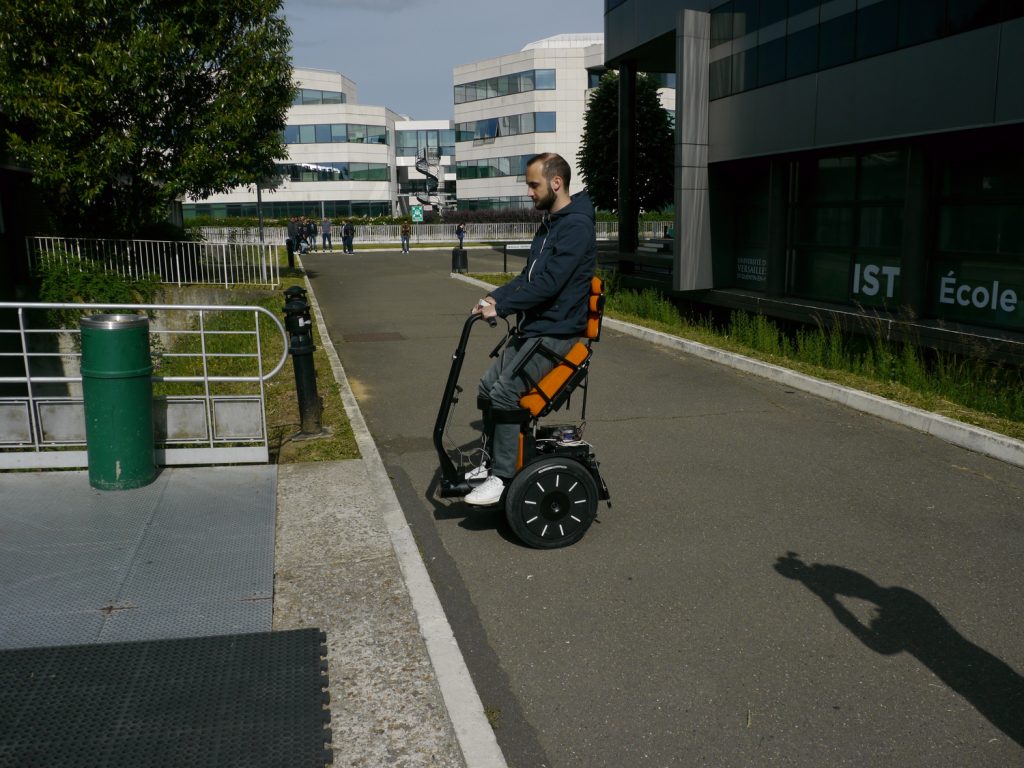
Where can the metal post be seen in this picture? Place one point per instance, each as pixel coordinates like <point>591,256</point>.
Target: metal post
<point>299,325</point>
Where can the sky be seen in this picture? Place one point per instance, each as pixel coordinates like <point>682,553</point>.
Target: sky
<point>401,53</point>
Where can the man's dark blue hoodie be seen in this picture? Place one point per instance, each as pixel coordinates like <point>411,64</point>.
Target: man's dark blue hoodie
<point>550,295</point>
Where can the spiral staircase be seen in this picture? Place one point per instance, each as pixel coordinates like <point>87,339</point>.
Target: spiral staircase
<point>428,162</point>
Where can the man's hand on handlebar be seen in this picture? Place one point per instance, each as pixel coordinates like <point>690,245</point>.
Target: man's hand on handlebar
<point>486,308</point>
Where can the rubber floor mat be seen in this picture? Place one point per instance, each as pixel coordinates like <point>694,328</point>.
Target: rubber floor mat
<point>228,700</point>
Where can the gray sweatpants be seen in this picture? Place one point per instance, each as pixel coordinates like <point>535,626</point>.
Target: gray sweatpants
<point>504,390</point>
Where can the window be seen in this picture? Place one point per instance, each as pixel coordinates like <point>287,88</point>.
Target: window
<point>799,6</point>
<point>772,11</point>
<point>376,134</point>
<point>771,62</point>
<point>323,133</point>
<point>744,71</point>
<point>307,134</point>
<point>721,24</point>
<point>545,80</point>
<point>720,78</point>
<point>802,52</point>
<point>744,17</point>
<point>920,21</point>
<point>965,15</point>
<point>312,97</point>
<point>503,85</point>
<point>836,41</point>
<point>877,28</point>
<point>339,132</point>
<point>356,134</point>
<point>545,122</point>
<point>291,134</point>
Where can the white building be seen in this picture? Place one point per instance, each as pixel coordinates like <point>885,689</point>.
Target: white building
<point>341,157</point>
<point>513,107</point>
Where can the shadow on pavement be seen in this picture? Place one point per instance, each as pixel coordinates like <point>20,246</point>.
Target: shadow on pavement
<point>905,621</point>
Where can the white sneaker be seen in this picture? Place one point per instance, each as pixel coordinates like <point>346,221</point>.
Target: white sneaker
<point>478,473</point>
<point>487,493</point>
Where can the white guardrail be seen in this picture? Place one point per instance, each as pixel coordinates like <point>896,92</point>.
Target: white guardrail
<point>218,419</point>
<point>177,263</point>
<point>421,233</point>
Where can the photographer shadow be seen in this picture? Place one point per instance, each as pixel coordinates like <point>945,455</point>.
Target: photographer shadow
<point>905,621</point>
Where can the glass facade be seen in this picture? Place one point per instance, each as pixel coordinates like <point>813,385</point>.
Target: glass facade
<point>279,210</point>
<point>493,203</point>
<point>509,125</point>
<point>933,223</point>
<point>336,133</point>
<point>310,96</point>
<point>410,143</point>
<point>801,48</point>
<point>505,85</point>
<point>492,167</point>
<point>299,172</point>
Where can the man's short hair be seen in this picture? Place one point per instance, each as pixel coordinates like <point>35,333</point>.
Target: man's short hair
<point>552,165</point>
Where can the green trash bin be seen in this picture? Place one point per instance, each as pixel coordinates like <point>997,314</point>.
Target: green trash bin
<point>117,387</point>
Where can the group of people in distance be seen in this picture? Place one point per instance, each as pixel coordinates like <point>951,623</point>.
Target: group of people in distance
<point>302,232</point>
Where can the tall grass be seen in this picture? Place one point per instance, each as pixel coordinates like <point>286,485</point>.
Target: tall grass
<point>979,391</point>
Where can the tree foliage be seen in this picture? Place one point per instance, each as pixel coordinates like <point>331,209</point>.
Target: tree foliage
<point>120,106</point>
<point>598,156</point>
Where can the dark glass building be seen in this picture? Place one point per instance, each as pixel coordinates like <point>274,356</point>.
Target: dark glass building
<point>842,158</point>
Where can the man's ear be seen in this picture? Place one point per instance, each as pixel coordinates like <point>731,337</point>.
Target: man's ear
<point>556,183</point>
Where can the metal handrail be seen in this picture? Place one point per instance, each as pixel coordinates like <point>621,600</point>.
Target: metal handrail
<point>20,307</point>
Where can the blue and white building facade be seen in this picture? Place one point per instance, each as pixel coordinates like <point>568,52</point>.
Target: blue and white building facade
<point>510,108</point>
<point>341,158</point>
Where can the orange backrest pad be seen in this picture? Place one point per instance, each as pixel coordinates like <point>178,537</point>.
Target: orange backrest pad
<point>594,308</point>
<point>554,379</point>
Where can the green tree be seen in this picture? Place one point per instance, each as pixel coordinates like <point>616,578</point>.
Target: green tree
<point>598,156</point>
<point>120,106</point>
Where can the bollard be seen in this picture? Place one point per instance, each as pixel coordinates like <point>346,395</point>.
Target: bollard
<point>299,325</point>
<point>117,388</point>
<point>460,260</point>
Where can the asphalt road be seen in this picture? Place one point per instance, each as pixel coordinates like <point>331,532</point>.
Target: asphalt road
<point>779,581</point>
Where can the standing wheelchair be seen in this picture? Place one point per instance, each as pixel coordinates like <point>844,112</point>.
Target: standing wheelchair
<point>554,496</point>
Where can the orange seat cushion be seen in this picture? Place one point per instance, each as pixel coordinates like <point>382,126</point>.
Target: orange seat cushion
<point>554,380</point>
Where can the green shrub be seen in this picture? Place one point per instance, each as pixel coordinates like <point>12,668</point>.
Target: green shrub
<point>65,279</point>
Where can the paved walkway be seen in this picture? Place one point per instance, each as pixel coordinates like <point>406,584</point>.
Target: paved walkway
<point>781,579</point>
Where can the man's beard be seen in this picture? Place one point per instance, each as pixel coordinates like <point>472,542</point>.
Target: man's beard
<point>545,203</point>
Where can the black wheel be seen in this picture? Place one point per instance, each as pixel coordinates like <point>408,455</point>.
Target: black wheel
<point>551,502</point>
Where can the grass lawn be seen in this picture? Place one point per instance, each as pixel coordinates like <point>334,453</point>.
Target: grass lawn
<point>986,394</point>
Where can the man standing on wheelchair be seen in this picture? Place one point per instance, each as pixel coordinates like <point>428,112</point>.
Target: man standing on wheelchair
<point>550,301</point>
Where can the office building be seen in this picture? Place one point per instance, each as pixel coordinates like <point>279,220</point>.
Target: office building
<point>510,108</point>
<point>843,158</point>
<point>345,159</point>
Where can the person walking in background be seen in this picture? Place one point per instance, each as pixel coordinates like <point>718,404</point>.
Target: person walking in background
<point>460,232</point>
<point>325,233</point>
<point>406,233</point>
<point>311,230</point>
<point>348,233</point>
<point>291,241</point>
